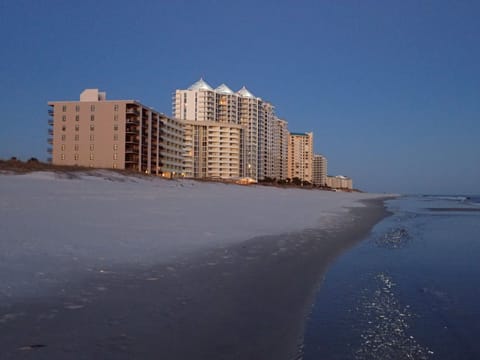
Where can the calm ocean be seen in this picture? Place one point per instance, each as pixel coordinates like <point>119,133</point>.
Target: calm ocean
<point>409,291</point>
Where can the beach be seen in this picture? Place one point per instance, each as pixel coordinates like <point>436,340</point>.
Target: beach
<point>115,267</point>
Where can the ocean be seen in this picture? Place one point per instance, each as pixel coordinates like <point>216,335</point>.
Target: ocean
<point>411,290</point>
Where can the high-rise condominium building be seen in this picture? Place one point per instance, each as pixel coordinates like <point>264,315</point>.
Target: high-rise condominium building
<point>118,134</point>
<point>246,119</point>
<point>280,149</point>
<point>300,156</point>
<point>319,170</point>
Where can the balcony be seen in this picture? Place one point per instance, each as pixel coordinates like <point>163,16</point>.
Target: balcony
<point>50,122</point>
<point>50,131</point>
<point>50,112</point>
<point>49,150</point>
<point>50,141</point>
<point>132,111</point>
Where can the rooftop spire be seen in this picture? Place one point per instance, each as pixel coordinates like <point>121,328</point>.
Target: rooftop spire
<point>200,85</point>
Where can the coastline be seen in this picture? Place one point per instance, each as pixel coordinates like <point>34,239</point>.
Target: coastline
<point>242,301</point>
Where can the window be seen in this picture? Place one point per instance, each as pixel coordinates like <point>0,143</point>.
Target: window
<point>63,156</point>
<point>64,108</point>
<point>92,147</point>
<point>115,127</point>
<point>115,137</point>
<point>115,147</point>
<point>92,108</point>
<point>76,156</point>
<point>77,127</point>
<point>77,108</point>
<point>92,117</point>
<point>64,137</point>
<point>92,137</point>
<point>115,117</point>
<point>77,137</point>
<point>114,165</point>
<point>92,156</point>
<point>77,117</point>
<point>115,156</point>
<point>92,127</point>
<point>64,117</point>
<point>76,147</point>
<point>115,107</point>
<point>63,147</point>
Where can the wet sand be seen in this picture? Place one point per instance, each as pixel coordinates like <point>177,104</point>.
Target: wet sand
<point>247,301</point>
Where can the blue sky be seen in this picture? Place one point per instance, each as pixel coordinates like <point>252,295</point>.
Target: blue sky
<point>391,89</point>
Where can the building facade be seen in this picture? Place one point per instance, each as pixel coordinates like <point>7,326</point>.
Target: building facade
<point>319,170</point>
<point>300,156</point>
<point>115,134</point>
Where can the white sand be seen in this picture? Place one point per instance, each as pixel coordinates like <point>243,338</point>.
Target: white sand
<point>51,224</point>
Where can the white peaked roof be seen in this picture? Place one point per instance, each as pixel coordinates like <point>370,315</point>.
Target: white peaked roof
<point>224,89</point>
<point>200,85</point>
<point>245,93</point>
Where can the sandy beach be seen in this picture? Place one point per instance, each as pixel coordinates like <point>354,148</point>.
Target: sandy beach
<point>77,288</point>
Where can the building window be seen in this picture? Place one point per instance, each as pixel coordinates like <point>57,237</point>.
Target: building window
<point>92,117</point>
<point>92,127</point>
<point>64,108</point>
<point>115,117</point>
<point>115,107</point>
<point>76,156</point>
<point>92,147</point>
<point>77,137</point>
<point>115,156</point>
<point>92,108</point>
<point>77,117</point>
<point>64,137</point>
<point>115,137</point>
<point>77,108</point>
<point>92,138</point>
<point>76,147</point>
<point>63,156</point>
<point>63,147</point>
<point>114,165</point>
<point>92,156</point>
<point>77,127</point>
<point>115,127</point>
<point>115,147</point>
<point>64,117</point>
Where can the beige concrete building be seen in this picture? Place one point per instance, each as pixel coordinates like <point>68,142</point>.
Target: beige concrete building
<point>212,150</point>
<point>116,134</point>
<point>319,170</point>
<point>280,149</point>
<point>300,156</point>
<point>339,182</point>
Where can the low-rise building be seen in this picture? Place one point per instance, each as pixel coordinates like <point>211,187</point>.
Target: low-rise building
<point>339,182</point>
<point>115,134</point>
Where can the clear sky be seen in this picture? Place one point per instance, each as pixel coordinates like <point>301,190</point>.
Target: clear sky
<point>391,89</point>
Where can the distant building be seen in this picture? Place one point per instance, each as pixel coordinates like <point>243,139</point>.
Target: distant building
<point>319,170</point>
<point>116,134</point>
<point>339,182</point>
<point>300,156</point>
<point>280,149</point>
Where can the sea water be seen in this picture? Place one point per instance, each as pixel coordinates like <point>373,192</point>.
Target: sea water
<point>411,290</point>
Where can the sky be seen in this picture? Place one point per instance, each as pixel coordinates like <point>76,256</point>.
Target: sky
<point>390,89</point>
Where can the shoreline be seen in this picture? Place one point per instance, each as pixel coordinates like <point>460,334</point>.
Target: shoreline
<point>242,301</point>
